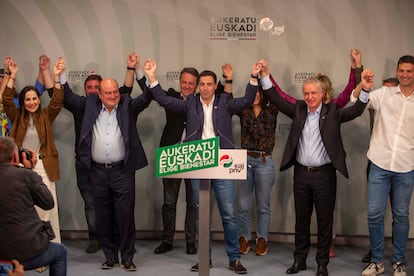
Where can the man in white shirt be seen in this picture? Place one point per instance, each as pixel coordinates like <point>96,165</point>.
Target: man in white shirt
<point>391,152</point>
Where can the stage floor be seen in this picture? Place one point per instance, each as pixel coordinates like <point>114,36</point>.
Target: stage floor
<point>177,262</point>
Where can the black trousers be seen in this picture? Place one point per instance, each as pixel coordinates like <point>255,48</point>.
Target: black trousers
<point>113,191</point>
<point>171,189</point>
<point>314,187</point>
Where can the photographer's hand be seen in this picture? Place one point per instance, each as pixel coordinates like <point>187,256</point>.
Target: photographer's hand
<point>18,269</point>
<point>31,163</point>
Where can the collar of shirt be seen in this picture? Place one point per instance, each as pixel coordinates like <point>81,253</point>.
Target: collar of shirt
<point>105,109</point>
<point>318,110</point>
<point>397,90</point>
<point>207,105</point>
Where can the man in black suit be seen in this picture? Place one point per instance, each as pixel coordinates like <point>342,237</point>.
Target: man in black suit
<point>314,147</point>
<point>172,134</point>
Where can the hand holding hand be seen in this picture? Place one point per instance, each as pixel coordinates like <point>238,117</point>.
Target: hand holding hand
<point>265,68</point>
<point>149,68</point>
<point>257,67</point>
<point>6,63</point>
<point>59,67</point>
<point>44,62</point>
<point>355,57</point>
<point>12,66</point>
<point>227,71</point>
<point>133,59</point>
<point>367,79</point>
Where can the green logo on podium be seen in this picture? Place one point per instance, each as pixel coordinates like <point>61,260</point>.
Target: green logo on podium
<point>185,157</point>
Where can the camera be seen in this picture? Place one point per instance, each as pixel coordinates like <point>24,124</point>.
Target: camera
<point>27,152</point>
<point>5,266</point>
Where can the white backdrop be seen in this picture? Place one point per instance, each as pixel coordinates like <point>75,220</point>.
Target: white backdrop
<point>306,36</point>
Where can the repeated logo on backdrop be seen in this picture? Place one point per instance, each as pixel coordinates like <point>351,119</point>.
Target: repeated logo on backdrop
<point>77,75</point>
<point>242,28</point>
<point>233,28</point>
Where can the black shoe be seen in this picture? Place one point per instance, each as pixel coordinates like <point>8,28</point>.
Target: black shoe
<point>322,270</point>
<point>367,258</point>
<point>129,266</point>
<point>195,268</point>
<point>109,264</point>
<point>191,248</point>
<point>93,246</point>
<point>237,267</point>
<point>163,247</point>
<point>296,267</point>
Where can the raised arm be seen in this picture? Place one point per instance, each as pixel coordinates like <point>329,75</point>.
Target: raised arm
<point>169,103</point>
<point>5,78</point>
<point>279,90</point>
<point>357,60</point>
<point>8,103</point>
<point>284,105</point>
<point>132,61</point>
<point>343,98</point>
<point>44,76</point>
<point>228,75</point>
<point>56,102</point>
<point>239,104</point>
<point>367,78</point>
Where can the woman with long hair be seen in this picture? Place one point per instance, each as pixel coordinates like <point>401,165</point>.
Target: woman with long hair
<point>32,129</point>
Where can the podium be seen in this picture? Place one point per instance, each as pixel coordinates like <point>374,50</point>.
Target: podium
<point>209,162</point>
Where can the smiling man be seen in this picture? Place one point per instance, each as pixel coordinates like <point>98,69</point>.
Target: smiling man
<point>391,173</point>
<point>315,149</point>
<point>207,116</point>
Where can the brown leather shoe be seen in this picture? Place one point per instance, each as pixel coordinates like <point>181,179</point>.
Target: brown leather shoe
<point>244,245</point>
<point>261,247</point>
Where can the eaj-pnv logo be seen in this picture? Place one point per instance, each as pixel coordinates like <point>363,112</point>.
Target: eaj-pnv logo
<point>226,161</point>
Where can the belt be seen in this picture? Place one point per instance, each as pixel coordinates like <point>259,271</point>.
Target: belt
<point>108,166</point>
<point>311,169</point>
<point>257,154</point>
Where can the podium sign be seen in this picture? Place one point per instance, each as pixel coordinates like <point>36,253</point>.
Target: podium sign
<point>201,159</point>
<point>204,160</point>
<point>232,165</point>
<point>187,157</point>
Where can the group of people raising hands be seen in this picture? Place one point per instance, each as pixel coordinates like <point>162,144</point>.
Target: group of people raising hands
<point>111,155</point>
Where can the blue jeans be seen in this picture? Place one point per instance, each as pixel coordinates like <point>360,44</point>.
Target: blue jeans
<point>54,257</point>
<point>260,177</point>
<point>225,195</point>
<point>83,180</point>
<point>399,187</point>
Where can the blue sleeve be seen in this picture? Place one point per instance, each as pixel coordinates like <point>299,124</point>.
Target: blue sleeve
<point>40,87</point>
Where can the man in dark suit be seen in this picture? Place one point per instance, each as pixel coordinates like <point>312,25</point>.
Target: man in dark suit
<point>314,147</point>
<point>209,115</point>
<point>91,86</point>
<point>110,147</point>
<point>172,134</point>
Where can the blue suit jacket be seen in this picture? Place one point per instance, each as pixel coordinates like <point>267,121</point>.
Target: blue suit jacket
<point>127,113</point>
<point>224,107</point>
